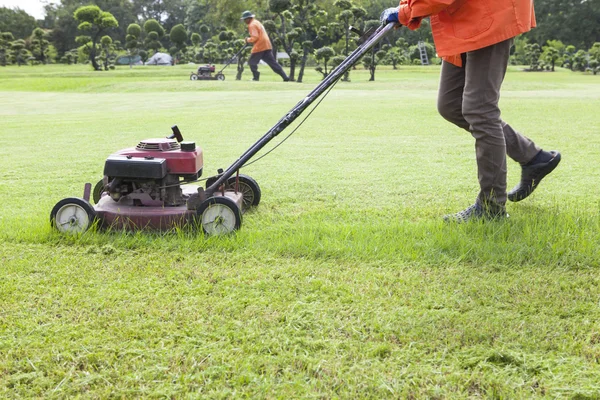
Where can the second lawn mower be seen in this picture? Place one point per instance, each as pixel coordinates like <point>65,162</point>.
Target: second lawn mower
<point>205,72</point>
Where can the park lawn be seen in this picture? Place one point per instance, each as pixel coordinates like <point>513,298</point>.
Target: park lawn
<point>343,283</point>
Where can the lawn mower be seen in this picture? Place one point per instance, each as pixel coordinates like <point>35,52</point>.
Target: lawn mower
<point>149,186</point>
<point>205,72</point>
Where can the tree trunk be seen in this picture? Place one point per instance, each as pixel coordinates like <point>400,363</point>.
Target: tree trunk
<point>240,69</point>
<point>372,66</point>
<point>93,57</point>
<point>292,69</point>
<point>302,65</point>
<point>93,52</point>
<point>346,77</point>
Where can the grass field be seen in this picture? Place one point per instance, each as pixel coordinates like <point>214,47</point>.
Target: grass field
<point>343,283</point>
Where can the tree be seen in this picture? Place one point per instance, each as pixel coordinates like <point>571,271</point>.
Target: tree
<point>570,21</point>
<point>5,48</point>
<point>394,55</point>
<point>308,16</point>
<point>132,42</point>
<point>40,45</point>
<point>154,32</point>
<point>376,55</point>
<point>287,32</point>
<point>550,56</point>
<point>240,44</point>
<point>16,21</point>
<point>324,54</point>
<point>92,19</point>
<point>107,52</point>
<point>19,52</point>
<point>210,52</point>
<point>532,54</point>
<point>178,36</point>
<point>345,16</point>
<point>579,61</point>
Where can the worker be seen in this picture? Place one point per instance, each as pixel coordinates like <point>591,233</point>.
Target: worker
<point>474,38</point>
<point>261,49</point>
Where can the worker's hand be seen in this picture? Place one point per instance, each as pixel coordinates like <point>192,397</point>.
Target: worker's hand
<point>389,15</point>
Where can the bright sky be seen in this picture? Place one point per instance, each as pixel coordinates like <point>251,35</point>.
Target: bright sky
<point>32,7</point>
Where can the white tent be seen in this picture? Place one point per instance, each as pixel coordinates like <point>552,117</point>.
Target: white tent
<point>160,59</point>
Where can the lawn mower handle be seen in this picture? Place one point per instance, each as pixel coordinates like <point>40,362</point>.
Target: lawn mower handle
<point>234,56</point>
<point>287,119</point>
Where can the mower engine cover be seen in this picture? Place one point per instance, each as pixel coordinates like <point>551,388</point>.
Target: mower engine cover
<point>183,159</point>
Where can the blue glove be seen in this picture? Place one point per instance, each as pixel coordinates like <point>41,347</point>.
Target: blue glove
<point>389,15</point>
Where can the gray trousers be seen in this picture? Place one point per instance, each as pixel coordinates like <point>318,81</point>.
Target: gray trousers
<point>468,97</point>
<point>266,56</point>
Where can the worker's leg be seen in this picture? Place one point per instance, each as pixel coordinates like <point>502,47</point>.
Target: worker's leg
<point>450,94</point>
<point>484,73</point>
<point>450,99</point>
<point>270,60</point>
<point>253,64</point>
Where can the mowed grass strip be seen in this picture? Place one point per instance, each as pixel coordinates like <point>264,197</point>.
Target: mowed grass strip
<point>342,283</point>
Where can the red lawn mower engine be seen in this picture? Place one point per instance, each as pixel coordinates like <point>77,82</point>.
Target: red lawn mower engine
<point>147,187</point>
<point>205,71</point>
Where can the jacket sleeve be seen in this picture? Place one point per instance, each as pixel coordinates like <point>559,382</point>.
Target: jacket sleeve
<point>411,12</point>
<point>254,36</point>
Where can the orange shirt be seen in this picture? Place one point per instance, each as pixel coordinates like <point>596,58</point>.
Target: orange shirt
<point>258,37</point>
<point>459,26</point>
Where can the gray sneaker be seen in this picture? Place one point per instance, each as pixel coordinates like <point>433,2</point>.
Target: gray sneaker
<point>477,212</point>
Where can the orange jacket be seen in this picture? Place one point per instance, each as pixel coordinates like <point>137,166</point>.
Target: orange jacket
<point>258,37</point>
<point>459,26</point>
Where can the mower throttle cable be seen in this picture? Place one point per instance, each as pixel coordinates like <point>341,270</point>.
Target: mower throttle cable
<point>278,144</point>
<point>296,128</point>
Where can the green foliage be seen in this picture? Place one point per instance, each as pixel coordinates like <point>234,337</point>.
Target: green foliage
<point>17,22</point>
<point>134,30</point>
<point>153,25</point>
<point>343,4</point>
<point>19,53</point>
<point>551,56</point>
<point>92,17</point>
<point>532,55</point>
<point>107,53</point>
<point>154,31</point>
<point>359,13</point>
<point>178,36</point>
<point>132,43</point>
<point>279,6</point>
<point>415,54</point>
<point>324,54</point>
<point>96,22</point>
<point>40,45</point>
<point>570,21</point>
<point>5,47</point>
<point>143,55</point>
<point>196,39</point>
